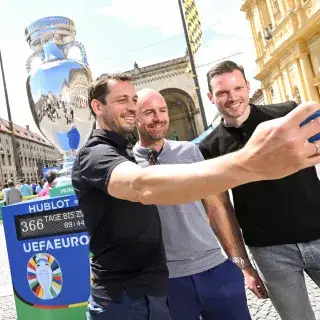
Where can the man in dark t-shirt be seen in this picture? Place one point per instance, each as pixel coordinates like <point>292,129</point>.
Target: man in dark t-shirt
<point>117,196</point>
<point>280,219</point>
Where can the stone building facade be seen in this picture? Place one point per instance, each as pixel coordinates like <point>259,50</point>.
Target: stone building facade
<point>286,35</point>
<point>177,87</point>
<point>33,150</point>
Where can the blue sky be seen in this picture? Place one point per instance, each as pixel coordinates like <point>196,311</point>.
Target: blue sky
<point>110,28</point>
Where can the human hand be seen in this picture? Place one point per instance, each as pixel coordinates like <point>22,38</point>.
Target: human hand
<point>254,282</point>
<point>280,147</point>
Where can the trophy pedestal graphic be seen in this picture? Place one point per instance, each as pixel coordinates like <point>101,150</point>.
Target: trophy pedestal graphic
<point>58,89</point>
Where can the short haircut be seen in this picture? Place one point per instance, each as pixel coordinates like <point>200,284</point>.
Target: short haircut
<point>50,177</point>
<point>221,68</point>
<point>99,88</point>
<point>10,183</point>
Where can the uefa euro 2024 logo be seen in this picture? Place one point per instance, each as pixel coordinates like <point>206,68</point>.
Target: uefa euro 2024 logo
<point>44,276</point>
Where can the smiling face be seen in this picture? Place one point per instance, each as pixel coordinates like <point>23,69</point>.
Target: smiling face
<point>152,117</point>
<point>118,112</point>
<point>230,94</point>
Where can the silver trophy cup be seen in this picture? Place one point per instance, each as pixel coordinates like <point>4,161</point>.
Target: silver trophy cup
<point>58,88</point>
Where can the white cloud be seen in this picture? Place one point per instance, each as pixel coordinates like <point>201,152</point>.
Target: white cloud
<point>238,50</point>
<point>231,32</point>
<point>163,14</point>
<point>231,35</point>
<point>224,15</point>
<point>231,21</point>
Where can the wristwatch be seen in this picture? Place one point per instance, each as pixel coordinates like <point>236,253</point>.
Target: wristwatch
<point>240,262</point>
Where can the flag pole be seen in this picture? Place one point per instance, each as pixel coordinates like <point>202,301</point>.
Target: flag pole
<point>193,67</point>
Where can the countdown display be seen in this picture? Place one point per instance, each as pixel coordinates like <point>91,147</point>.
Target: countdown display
<point>48,253</point>
<point>49,223</point>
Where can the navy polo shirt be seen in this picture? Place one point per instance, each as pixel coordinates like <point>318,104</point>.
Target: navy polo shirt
<point>125,237</point>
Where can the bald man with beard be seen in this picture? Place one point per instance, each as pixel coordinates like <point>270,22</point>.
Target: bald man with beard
<point>202,281</point>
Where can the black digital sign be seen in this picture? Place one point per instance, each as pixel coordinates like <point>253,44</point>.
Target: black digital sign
<point>49,223</point>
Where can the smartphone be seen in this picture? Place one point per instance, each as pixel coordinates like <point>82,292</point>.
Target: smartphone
<point>316,137</point>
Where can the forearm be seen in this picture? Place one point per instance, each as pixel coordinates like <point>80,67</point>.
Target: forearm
<point>225,225</point>
<point>173,184</point>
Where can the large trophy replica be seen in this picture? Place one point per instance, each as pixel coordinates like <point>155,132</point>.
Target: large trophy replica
<point>46,238</point>
<point>57,89</point>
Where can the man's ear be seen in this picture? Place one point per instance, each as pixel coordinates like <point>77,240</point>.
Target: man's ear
<point>248,86</point>
<point>96,106</point>
<point>210,97</point>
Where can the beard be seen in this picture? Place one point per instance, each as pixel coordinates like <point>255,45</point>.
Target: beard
<point>128,128</point>
<point>157,137</point>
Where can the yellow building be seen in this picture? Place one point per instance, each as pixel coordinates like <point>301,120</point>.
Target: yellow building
<point>286,35</point>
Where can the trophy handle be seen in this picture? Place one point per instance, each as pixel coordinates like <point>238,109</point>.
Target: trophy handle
<point>39,54</point>
<point>80,46</point>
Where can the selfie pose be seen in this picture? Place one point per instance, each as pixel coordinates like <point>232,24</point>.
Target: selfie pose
<point>280,219</point>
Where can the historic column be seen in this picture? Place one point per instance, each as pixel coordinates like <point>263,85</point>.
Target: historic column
<point>288,86</point>
<point>308,76</point>
<point>282,8</point>
<point>287,4</point>
<point>260,15</point>
<point>281,88</point>
<point>297,3</point>
<point>266,95</point>
<point>296,77</point>
<point>271,15</point>
<point>254,32</point>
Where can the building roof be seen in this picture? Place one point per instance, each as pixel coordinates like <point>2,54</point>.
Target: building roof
<point>258,93</point>
<point>157,66</point>
<point>23,133</point>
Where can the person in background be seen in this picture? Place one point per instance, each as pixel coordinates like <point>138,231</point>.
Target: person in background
<point>39,187</point>
<point>33,187</point>
<point>4,192</point>
<point>25,189</point>
<point>13,195</point>
<point>50,177</point>
<point>175,135</point>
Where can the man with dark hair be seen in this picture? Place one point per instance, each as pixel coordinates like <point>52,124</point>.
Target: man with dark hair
<point>99,88</point>
<point>117,196</point>
<point>221,68</point>
<point>280,218</point>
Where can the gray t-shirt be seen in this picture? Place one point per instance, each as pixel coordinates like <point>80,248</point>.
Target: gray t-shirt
<point>13,195</point>
<point>190,244</point>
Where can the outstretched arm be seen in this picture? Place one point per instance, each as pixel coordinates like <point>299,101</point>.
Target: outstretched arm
<point>276,149</point>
